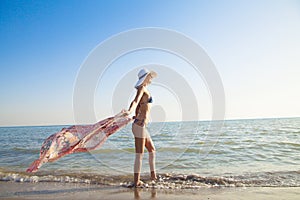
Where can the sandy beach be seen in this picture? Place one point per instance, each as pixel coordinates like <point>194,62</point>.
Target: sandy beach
<point>13,190</point>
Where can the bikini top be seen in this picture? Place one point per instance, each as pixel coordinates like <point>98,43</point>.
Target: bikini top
<point>150,100</point>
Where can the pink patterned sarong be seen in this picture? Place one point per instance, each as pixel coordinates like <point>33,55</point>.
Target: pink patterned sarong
<point>78,138</point>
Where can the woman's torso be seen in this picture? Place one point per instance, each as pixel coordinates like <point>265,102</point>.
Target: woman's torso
<point>144,106</point>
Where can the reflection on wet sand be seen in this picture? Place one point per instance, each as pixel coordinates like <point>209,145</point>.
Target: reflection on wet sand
<point>138,192</point>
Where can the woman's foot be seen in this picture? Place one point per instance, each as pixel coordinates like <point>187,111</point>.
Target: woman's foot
<point>140,184</point>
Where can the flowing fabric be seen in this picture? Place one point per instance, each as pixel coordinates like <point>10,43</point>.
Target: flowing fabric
<point>78,138</point>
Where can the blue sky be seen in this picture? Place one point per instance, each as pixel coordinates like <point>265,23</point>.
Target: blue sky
<point>255,46</point>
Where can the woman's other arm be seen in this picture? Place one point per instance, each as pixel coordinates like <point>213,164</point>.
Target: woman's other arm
<point>135,102</point>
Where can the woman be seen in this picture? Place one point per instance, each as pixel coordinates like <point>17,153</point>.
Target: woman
<point>142,104</point>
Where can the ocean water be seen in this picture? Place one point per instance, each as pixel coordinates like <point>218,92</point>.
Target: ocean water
<point>256,152</point>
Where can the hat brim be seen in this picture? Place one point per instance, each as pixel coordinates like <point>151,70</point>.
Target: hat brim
<point>141,81</point>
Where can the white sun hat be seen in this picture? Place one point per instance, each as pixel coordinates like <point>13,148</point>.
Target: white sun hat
<point>142,76</point>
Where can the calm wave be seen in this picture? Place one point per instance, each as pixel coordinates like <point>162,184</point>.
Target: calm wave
<point>260,152</point>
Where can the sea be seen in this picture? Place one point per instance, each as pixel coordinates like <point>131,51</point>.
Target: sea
<point>195,154</point>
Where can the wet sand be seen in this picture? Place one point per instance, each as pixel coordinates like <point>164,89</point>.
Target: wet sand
<point>14,190</point>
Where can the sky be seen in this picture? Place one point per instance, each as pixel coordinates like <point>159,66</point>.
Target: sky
<point>254,45</point>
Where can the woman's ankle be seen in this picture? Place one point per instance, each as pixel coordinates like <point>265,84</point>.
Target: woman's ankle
<point>153,175</point>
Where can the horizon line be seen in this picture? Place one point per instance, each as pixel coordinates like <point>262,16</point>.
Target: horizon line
<point>204,120</point>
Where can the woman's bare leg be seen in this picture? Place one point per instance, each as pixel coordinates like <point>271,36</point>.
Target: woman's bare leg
<point>151,149</point>
<point>139,152</point>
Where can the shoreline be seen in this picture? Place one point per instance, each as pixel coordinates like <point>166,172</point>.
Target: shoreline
<point>71,191</point>
<point>165,181</point>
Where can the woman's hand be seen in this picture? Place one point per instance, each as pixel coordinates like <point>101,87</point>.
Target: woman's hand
<point>125,112</point>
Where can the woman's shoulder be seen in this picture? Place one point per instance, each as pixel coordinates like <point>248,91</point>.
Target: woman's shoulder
<point>142,89</point>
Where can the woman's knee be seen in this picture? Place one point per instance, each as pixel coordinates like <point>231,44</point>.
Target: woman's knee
<point>151,149</point>
<point>139,156</point>
<point>150,146</point>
